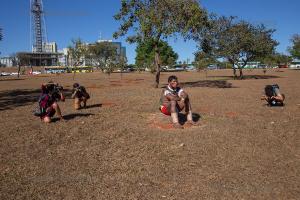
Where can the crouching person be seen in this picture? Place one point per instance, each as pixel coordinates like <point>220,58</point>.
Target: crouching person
<point>173,100</point>
<point>51,93</point>
<point>273,95</point>
<point>80,96</point>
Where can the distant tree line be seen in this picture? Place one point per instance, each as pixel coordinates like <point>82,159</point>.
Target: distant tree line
<point>295,48</point>
<point>149,23</point>
<point>145,55</point>
<point>104,55</point>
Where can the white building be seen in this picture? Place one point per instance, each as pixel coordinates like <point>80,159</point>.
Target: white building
<point>295,64</point>
<point>63,58</point>
<point>7,61</point>
<point>49,47</point>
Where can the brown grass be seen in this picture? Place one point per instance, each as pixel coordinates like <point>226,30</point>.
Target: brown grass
<point>121,147</point>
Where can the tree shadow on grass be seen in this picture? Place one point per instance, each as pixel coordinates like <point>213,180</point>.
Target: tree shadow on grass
<point>12,79</point>
<point>182,118</point>
<point>15,98</point>
<point>208,83</point>
<point>12,99</point>
<point>72,116</point>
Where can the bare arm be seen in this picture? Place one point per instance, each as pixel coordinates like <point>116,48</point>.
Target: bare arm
<point>279,97</point>
<point>172,97</point>
<point>62,97</point>
<point>74,94</point>
<point>183,95</point>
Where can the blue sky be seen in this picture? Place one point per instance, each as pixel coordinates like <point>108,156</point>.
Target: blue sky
<point>67,19</point>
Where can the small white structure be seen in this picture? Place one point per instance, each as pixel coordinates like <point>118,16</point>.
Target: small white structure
<point>295,64</point>
<point>7,61</point>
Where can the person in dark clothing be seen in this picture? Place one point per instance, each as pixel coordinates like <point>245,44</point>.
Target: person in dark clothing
<point>273,95</point>
<point>80,96</point>
<point>51,93</point>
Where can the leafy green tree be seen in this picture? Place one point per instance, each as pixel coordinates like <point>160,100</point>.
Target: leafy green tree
<point>269,60</point>
<point>202,60</point>
<point>77,50</point>
<point>145,54</point>
<point>275,59</point>
<point>282,59</point>
<point>157,20</point>
<point>21,59</point>
<point>105,55</point>
<point>237,41</point>
<point>295,49</point>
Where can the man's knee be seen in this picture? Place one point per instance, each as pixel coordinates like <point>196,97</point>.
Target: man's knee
<point>55,105</point>
<point>47,119</point>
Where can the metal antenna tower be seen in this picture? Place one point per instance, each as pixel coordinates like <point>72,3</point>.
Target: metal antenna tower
<point>38,25</point>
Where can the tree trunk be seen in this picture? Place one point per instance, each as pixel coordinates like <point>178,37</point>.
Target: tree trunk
<point>157,63</point>
<point>19,69</point>
<point>241,73</point>
<point>74,71</point>
<point>234,71</point>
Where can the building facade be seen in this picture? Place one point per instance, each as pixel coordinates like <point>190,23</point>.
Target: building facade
<point>7,61</point>
<point>49,47</point>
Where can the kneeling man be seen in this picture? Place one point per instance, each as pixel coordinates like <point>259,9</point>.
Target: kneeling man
<point>273,95</point>
<point>80,95</point>
<point>173,100</point>
<point>48,106</point>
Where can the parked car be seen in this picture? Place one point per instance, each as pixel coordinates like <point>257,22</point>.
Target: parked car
<point>179,68</point>
<point>190,68</point>
<point>36,72</point>
<point>5,74</point>
<point>213,67</point>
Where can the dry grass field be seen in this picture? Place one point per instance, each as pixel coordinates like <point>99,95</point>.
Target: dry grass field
<point>121,147</point>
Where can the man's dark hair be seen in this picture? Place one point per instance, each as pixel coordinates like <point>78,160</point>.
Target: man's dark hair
<point>171,78</point>
<point>75,85</point>
<point>270,90</point>
<point>52,89</point>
